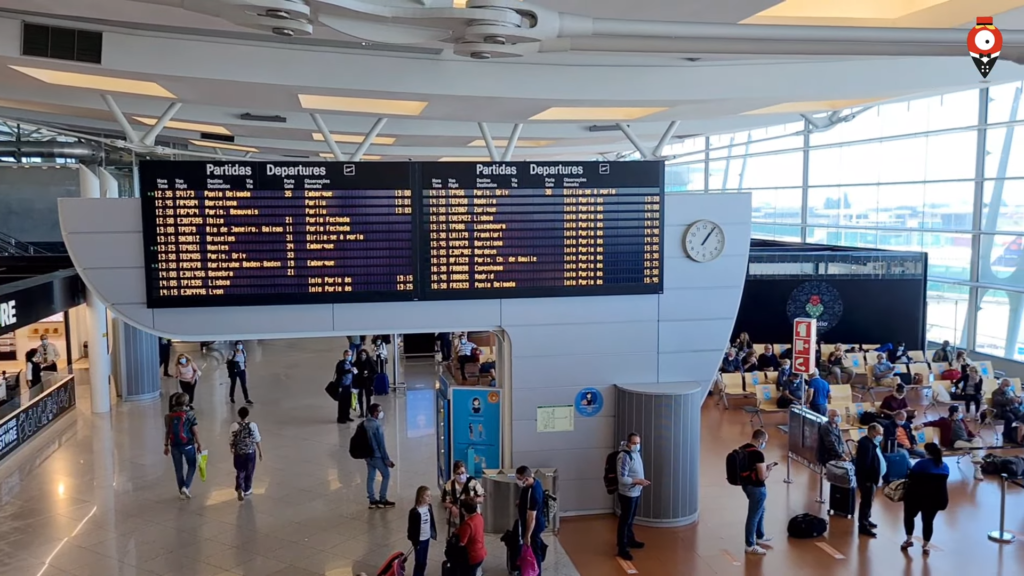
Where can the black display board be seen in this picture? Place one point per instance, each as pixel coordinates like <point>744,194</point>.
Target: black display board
<point>237,233</point>
<point>26,302</point>
<point>849,311</point>
<point>40,410</point>
<point>541,229</point>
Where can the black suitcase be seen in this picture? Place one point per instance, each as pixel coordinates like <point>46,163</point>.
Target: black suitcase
<point>841,501</point>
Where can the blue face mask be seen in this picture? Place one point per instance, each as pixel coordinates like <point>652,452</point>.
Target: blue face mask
<point>837,419</point>
<point>878,440</point>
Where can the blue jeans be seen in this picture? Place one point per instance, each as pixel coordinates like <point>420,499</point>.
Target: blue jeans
<point>188,453</point>
<point>422,549</point>
<point>757,497</point>
<point>627,513</point>
<point>374,465</point>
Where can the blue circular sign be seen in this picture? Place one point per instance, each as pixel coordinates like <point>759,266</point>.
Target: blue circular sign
<point>589,402</point>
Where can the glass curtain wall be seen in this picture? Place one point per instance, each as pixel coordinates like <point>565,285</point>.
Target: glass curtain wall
<point>942,175</point>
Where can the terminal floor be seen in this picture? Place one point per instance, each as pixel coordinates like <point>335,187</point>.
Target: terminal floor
<point>95,496</point>
<point>714,545</point>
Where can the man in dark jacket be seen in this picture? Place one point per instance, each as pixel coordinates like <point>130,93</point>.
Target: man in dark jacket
<point>906,440</point>
<point>768,361</point>
<point>870,468</point>
<point>730,363</point>
<point>830,439</point>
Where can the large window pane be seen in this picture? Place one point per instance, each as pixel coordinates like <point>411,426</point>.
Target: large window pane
<point>773,232</point>
<point>689,149</point>
<point>1000,261</point>
<point>780,205</point>
<point>949,255</point>
<point>993,315</point>
<point>1003,206</point>
<point>942,157</point>
<point>947,312</point>
<point>940,205</point>
<point>774,171</point>
<point>901,118</point>
<point>684,177</point>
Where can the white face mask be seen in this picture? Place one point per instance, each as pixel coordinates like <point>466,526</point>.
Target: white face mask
<point>521,483</point>
<point>635,447</point>
<point>238,347</point>
<point>901,422</point>
<point>380,415</point>
<point>837,419</point>
<point>462,478</point>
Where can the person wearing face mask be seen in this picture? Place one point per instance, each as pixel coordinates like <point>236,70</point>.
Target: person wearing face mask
<point>421,529</point>
<point>756,490</point>
<point>968,389</point>
<point>954,434</point>
<point>236,372</point>
<point>465,354</point>
<point>1008,408</point>
<point>830,439</point>
<point>870,467</point>
<point>898,353</point>
<point>47,354</point>
<point>33,371</point>
<point>532,521</point>
<point>944,355</point>
<point>366,371</point>
<point>187,374</point>
<point>460,487</point>
<point>344,372</point>
<point>630,471</point>
<point>899,433</point>
<point>895,402</point>
<point>380,461</point>
<point>731,363</point>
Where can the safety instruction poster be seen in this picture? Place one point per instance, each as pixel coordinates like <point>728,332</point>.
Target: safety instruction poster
<point>555,418</point>
<point>476,428</point>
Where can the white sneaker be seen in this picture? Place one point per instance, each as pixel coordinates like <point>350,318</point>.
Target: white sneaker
<point>764,540</point>
<point>249,493</point>
<point>181,493</point>
<point>978,475</point>
<point>185,494</point>
<point>755,550</point>
<point>241,495</point>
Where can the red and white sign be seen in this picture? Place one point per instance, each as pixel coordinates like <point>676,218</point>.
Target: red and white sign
<point>805,336</point>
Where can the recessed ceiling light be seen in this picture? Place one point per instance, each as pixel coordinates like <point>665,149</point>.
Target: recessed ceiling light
<point>192,126</point>
<point>362,105</point>
<point>93,82</point>
<point>224,146</point>
<point>465,159</point>
<point>813,106</point>
<point>354,138</point>
<point>365,156</point>
<point>523,143</point>
<point>595,113</point>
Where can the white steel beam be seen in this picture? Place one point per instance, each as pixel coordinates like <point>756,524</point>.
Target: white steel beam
<point>633,140</point>
<point>149,138</point>
<point>129,133</point>
<point>512,140</point>
<point>327,137</point>
<point>669,132</point>
<point>367,140</point>
<point>488,141</point>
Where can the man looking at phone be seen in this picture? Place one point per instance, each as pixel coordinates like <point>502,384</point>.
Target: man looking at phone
<point>757,492</point>
<point>630,472</point>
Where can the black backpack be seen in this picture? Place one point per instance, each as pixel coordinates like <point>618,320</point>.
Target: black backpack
<point>359,446</point>
<point>738,470</point>
<point>1012,466</point>
<point>806,526</point>
<point>611,470</point>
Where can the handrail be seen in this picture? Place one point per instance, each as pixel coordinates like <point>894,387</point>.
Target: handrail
<point>17,247</point>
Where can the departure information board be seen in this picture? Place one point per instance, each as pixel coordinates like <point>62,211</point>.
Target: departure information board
<point>255,233</point>
<point>241,233</point>
<point>540,229</point>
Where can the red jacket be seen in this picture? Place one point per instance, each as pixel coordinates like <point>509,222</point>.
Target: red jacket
<point>945,426</point>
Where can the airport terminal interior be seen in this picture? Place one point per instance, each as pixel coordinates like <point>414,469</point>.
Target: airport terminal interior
<point>586,250</point>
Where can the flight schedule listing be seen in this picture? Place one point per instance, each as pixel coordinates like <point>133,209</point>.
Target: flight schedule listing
<point>258,233</point>
<point>540,229</point>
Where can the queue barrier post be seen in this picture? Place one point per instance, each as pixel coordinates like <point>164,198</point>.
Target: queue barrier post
<point>1001,535</point>
<point>821,489</point>
<point>789,468</point>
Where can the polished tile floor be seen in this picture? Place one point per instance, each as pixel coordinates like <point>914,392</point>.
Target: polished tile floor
<point>95,496</point>
<point>715,544</point>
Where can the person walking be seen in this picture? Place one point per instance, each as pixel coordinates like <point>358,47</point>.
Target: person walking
<point>444,345</point>
<point>366,370</point>
<point>421,529</point>
<point>344,371</point>
<point>925,494</point>
<point>245,445</point>
<point>236,363</point>
<point>165,356</point>
<point>181,442</point>
<point>870,468</point>
<point>355,343</point>
<point>380,461</point>
<point>471,537</point>
<point>530,506</point>
<point>630,471</point>
<point>187,374</point>
<point>756,491</point>
<point>47,354</point>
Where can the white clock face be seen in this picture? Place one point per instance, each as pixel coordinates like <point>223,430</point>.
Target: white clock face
<point>704,241</point>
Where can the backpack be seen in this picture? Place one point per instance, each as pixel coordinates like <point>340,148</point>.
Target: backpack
<point>550,507</point>
<point>1012,466</point>
<point>359,446</point>
<point>242,441</point>
<point>179,430</point>
<point>738,470</point>
<point>868,418</point>
<point>806,526</point>
<point>611,470</point>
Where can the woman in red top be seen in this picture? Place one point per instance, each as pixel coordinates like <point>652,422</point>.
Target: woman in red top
<point>471,535</point>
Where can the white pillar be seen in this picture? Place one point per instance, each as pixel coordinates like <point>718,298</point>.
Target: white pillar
<point>99,353</point>
<point>108,184</point>
<point>88,183</point>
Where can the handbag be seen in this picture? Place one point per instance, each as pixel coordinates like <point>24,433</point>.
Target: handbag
<point>896,490</point>
<point>333,390</point>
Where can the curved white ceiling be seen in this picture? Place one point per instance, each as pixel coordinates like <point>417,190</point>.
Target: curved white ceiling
<point>218,70</point>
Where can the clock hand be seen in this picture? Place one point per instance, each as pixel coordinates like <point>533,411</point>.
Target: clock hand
<point>708,237</point>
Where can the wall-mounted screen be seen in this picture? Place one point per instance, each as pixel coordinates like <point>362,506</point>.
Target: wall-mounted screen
<point>240,233</point>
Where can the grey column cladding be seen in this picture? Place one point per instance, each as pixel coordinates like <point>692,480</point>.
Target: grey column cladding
<point>667,417</point>
<point>135,363</point>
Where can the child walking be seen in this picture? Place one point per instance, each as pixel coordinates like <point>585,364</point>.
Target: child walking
<point>245,445</point>
<point>421,529</point>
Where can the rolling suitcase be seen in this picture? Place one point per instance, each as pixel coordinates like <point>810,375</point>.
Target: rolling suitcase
<point>395,564</point>
<point>841,501</point>
<point>381,384</point>
<point>896,467</point>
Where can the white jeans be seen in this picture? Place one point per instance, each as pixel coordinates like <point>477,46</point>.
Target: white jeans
<point>976,443</point>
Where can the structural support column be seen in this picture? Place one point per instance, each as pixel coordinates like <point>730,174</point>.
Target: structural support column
<point>513,139</point>
<point>326,133</point>
<point>99,353</point>
<point>129,132</point>
<point>485,132</point>
<point>367,140</point>
<point>669,132</point>
<point>644,154</point>
<point>137,353</point>
<point>149,138</point>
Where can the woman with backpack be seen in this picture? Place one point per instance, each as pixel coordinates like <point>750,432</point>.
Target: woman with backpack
<point>236,372</point>
<point>187,374</point>
<point>461,486</point>
<point>245,444</point>
<point>181,442</point>
<point>366,371</point>
<point>925,494</point>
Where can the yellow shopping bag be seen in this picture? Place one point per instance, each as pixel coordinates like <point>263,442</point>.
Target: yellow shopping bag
<point>355,400</point>
<point>202,465</point>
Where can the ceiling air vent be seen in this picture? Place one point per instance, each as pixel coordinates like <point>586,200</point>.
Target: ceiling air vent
<point>217,137</point>
<point>61,43</point>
